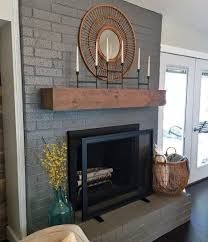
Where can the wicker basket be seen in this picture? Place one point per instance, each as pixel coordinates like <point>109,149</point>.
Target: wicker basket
<point>170,177</point>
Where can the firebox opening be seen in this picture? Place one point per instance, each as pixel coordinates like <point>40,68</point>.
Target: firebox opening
<point>112,169</point>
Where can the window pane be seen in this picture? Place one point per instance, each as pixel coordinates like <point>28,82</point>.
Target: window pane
<point>203,117</point>
<point>174,111</point>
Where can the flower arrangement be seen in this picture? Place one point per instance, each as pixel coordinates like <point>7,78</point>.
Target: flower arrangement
<point>53,160</point>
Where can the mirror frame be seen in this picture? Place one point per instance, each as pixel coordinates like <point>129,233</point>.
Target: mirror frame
<point>93,23</point>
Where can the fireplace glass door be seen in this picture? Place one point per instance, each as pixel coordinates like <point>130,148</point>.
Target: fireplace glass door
<point>108,167</point>
<point>113,171</point>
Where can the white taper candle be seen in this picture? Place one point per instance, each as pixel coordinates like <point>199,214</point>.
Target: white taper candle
<point>139,59</point>
<point>149,66</point>
<point>96,54</point>
<point>107,51</point>
<point>77,60</point>
<point>122,52</point>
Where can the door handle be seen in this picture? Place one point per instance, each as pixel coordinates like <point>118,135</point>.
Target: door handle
<point>202,127</point>
<point>196,130</point>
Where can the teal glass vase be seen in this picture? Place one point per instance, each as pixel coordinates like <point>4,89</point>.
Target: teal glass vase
<point>60,210</point>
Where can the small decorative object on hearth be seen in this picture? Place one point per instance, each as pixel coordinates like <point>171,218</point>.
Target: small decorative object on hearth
<point>170,173</point>
<point>54,162</point>
<point>59,211</point>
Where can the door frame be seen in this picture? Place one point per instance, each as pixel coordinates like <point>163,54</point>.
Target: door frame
<point>186,53</point>
<point>15,161</point>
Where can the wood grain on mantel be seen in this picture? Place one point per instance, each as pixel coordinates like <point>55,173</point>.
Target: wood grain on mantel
<point>62,99</point>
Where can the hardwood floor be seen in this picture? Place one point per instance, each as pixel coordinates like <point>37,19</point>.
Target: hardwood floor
<point>197,229</point>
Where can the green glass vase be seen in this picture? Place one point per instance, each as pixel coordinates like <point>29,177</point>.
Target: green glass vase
<point>60,211</point>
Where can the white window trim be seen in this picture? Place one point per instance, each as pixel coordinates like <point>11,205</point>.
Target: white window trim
<point>184,52</point>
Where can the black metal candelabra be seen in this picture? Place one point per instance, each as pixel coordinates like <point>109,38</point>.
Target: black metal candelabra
<point>107,65</point>
<point>121,71</point>
<point>96,75</point>
<point>122,77</point>
<point>138,80</point>
<point>77,74</point>
<point>148,81</point>
<point>138,74</point>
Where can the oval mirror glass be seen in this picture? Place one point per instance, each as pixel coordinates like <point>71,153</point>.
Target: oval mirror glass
<point>113,41</point>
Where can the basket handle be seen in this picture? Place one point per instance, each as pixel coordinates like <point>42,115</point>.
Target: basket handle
<point>163,156</point>
<point>166,154</point>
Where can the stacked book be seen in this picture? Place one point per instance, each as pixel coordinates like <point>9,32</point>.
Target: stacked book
<point>95,175</point>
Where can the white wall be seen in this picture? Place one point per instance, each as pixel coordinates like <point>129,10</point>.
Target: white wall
<point>183,36</point>
<point>6,9</point>
<point>177,31</point>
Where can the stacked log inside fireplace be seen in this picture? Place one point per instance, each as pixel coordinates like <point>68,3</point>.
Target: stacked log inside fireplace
<point>96,176</point>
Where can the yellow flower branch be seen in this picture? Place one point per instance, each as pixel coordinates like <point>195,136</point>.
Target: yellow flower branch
<point>53,160</point>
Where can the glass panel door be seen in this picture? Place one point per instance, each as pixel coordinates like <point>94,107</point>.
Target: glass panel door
<point>175,118</point>
<point>202,156</point>
<point>200,123</point>
<point>183,122</point>
<point>175,109</point>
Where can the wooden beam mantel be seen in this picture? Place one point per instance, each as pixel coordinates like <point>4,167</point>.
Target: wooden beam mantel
<point>62,99</point>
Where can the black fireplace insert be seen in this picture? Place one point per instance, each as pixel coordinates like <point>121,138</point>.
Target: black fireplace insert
<point>109,167</point>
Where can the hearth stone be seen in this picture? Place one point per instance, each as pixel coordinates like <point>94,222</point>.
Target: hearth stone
<point>140,221</point>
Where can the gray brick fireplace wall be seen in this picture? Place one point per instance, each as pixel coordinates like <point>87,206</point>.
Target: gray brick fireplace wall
<point>49,31</point>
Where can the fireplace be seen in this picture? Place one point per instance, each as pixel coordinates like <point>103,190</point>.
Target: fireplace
<point>109,167</point>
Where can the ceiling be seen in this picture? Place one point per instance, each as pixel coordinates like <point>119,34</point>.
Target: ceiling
<point>192,13</point>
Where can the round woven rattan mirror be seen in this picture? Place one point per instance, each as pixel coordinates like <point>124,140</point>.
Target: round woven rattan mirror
<point>100,23</point>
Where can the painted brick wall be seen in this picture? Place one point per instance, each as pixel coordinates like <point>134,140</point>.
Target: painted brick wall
<point>49,31</point>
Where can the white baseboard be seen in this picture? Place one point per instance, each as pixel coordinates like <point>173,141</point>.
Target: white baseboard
<point>11,235</point>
